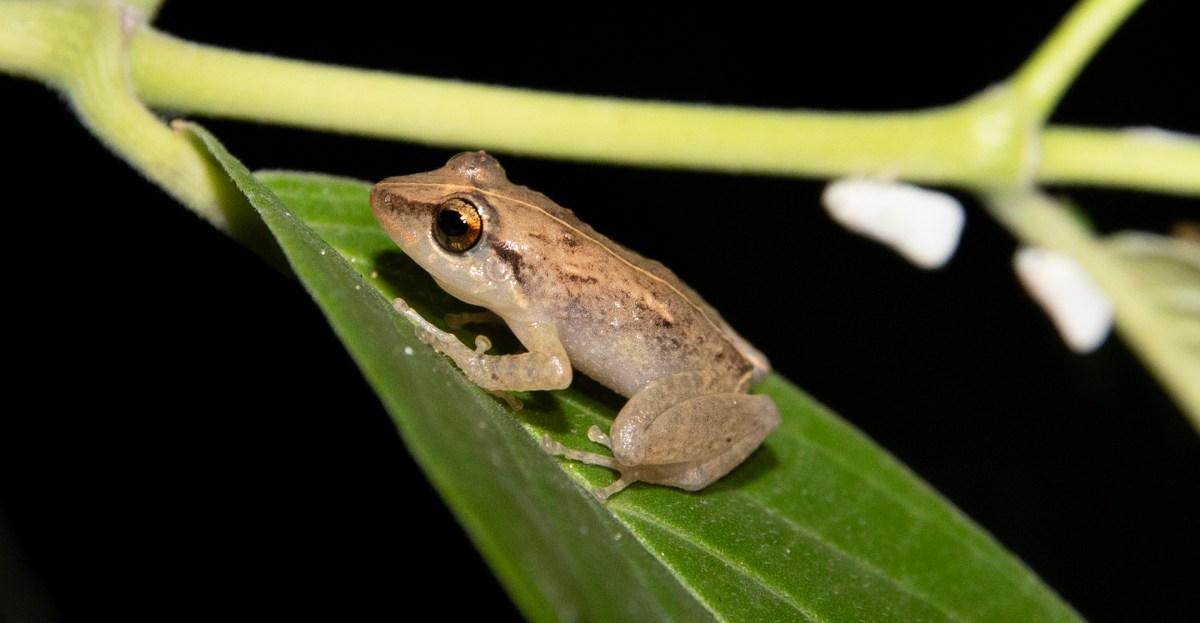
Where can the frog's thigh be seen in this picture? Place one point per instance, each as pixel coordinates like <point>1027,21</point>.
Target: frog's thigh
<point>695,430</point>
<point>643,407</point>
<point>756,416</point>
<point>693,422</point>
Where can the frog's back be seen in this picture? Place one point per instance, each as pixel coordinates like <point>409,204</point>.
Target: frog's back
<point>625,320</point>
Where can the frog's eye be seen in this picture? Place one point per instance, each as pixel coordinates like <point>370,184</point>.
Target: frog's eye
<point>456,225</point>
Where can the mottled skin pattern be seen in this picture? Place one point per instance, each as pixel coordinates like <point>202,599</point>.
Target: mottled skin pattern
<point>575,299</point>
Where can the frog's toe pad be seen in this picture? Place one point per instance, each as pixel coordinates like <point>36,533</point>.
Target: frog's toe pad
<point>597,436</point>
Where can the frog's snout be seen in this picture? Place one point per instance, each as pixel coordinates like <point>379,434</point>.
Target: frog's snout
<point>392,213</point>
<point>381,201</point>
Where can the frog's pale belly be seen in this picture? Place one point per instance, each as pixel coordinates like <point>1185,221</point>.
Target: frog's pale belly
<point>626,362</point>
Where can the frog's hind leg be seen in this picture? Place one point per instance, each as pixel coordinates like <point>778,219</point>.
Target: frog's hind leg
<point>591,458</point>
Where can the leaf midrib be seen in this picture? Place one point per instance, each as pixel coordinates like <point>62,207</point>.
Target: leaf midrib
<point>745,571</point>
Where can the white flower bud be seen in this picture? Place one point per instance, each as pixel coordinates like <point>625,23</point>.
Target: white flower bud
<point>1081,311</point>
<point>922,225</point>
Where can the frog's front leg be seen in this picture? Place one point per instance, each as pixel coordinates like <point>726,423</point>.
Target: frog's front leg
<point>686,431</point>
<point>545,366</point>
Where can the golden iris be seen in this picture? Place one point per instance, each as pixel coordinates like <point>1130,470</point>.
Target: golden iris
<point>457,225</point>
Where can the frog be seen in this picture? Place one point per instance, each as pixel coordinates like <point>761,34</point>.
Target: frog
<point>577,301</point>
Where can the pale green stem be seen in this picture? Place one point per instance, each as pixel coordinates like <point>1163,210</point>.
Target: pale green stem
<point>80,48</point>
<point>976,143</point>
<point>1137,157</point>
<point>938,144</point>
<point>1041,222</point>
<point>147,8</point>
<point>979,143</point>
<point>1044,78</point>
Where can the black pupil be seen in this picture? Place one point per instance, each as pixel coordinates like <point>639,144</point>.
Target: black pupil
<point>452,223</point>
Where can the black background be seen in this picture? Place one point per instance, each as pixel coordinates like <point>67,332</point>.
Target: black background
<point>186,436</point>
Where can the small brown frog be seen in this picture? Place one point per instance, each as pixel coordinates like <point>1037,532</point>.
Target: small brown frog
<point>576,299</point>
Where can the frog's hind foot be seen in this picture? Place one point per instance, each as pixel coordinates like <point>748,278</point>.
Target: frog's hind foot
<point>603,493</point>
<point>591,458</point>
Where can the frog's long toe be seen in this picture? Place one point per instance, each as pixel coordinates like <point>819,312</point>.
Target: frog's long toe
<point>591,458</point>
<point>603,493</point>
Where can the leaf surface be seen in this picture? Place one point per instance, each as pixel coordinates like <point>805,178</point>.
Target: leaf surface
<point>818,525</point>
<point>1165,271</point>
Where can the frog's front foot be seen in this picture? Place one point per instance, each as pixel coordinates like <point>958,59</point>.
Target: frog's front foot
<point>545,366</point>
<point>444,342</point>
<point>426,332</point>
<point>401,306</point>
<point>513,403</point>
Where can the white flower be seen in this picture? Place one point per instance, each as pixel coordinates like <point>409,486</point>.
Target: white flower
<point>922,225</point>
<point>1081,311</point>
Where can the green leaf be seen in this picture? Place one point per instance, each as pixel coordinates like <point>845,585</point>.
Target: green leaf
<point>819,525</point>
<point>1164,273</point>
<point>1153,282</point>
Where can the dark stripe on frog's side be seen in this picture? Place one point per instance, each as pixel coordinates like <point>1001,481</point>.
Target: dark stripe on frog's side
<point>567,240</point>
<point>659,319</point>
<point>577,278</point>
<point>510,257</point>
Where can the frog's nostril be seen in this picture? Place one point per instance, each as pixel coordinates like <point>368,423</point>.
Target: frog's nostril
<point>383,201</point>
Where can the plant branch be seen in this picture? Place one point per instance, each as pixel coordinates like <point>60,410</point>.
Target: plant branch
<point>147,8</point>
<point>1145,158</point>
<point>80,48</point>
<point>1044,78</point>
<point>976,143</point>
<point>968,144</point>
<point>923,145</point>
